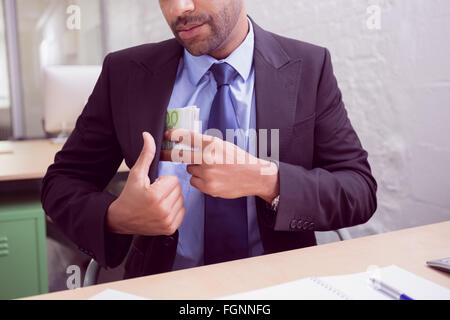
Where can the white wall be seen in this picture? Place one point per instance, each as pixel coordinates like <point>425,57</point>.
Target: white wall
<point>395,82</point>
<point>396,85</point>
<point>134,22</point>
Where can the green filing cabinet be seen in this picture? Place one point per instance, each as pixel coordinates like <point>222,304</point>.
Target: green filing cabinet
<point>23,253</point>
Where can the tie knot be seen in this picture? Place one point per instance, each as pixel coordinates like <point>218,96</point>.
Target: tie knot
<point>223,73</point>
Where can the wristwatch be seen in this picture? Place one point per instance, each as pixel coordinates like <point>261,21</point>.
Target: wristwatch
<point>275,203</point>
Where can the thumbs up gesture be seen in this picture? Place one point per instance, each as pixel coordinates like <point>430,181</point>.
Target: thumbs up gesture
<point>144,208</point>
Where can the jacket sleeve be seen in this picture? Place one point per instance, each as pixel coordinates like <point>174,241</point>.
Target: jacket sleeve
<point>340,190</point>
<point>73,190</point>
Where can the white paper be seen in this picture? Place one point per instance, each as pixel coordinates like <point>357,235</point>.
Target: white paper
<point>305,289</point>
<point>110,294</point>
<point>352,287</point>
<point>6,147</point>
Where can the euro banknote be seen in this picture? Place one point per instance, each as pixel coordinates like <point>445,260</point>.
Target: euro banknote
<point>182,118</point>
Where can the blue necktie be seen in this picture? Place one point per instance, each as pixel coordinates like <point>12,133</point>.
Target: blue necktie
<point>226,231</point>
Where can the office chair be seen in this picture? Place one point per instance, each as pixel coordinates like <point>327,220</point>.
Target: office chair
<point>343,234</point>
<point>92,273</point>
<point>93,269</point>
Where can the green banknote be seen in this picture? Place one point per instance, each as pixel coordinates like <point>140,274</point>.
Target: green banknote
<point>182,118</point>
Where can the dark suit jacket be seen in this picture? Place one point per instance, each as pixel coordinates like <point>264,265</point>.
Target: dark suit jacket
<point>326,181</point>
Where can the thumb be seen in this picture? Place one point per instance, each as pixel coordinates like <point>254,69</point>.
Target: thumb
<point>143,163</point>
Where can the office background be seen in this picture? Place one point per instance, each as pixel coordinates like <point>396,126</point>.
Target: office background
<point>395,79</point>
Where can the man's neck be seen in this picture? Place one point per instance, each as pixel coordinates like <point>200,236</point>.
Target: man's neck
<point>235,39</point>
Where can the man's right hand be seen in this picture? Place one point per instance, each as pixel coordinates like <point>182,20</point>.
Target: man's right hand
<point>144,208</point>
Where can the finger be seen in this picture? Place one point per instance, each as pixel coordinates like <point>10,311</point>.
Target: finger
<point>181,156</point>
<point>173,196</point>
<point>198,183</point>
<point>178,204</point>
<point>189,138</point>
<point>143,163</point>
<point>184,136</point>
<point>179,218</point>
<point>165,185</point>
<point>175,210</point>
<point>195,170</point>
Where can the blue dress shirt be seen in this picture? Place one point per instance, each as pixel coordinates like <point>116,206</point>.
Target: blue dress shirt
<point>195,86</point>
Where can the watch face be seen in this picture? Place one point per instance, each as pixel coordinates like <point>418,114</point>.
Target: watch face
<point>275,203</point>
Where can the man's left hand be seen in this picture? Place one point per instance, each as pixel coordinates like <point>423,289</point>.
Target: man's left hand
<point>222,169</point>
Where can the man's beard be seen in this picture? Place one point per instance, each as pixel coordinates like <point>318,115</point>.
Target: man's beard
<point>213,41</point>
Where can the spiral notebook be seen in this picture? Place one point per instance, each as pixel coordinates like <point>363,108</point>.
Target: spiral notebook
<point>350,287</point>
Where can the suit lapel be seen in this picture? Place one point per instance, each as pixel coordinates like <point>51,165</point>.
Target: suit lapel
<point>150,89</point>
<point>277,78</point>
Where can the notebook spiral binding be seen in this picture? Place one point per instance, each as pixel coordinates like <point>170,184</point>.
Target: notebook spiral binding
<point>329,287</point>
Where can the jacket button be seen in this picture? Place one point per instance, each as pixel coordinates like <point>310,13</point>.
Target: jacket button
<point>293,224</point>
<point>168,241</point>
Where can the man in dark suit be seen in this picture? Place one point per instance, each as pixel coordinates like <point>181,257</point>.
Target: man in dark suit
<point>241,77</point>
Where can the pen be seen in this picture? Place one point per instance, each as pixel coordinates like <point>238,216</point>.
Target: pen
<point>388,290</point>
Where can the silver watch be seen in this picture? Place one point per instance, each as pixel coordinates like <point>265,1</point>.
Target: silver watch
<point>275,203</point>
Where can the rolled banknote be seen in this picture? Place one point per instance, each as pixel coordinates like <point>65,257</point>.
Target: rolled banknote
<point>183,118</point>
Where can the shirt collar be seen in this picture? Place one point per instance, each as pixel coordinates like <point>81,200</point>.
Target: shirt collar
<point>241,59</point>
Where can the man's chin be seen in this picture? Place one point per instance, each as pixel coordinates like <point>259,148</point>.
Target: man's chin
<point>196,52</point>
<point>197,48</point>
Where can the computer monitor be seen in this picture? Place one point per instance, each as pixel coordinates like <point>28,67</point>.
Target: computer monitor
<point>67,89</point>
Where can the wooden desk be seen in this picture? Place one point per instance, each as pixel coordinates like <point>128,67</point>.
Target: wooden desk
<point>409,249</point>
<point>23,254</point>
<point>27,160</point>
